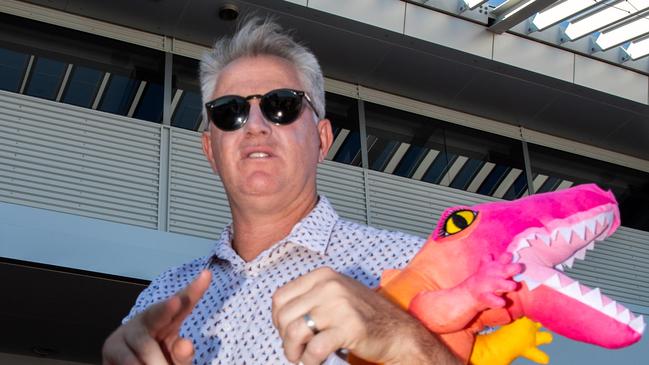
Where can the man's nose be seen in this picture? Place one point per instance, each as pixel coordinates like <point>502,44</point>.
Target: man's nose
<point>256,123</point>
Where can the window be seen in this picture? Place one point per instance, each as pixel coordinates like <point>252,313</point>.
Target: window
<point>555,170</point>
<point>426,149</point>
<point>343,114</point>
<point>80,69</point>
<point>186,104</point>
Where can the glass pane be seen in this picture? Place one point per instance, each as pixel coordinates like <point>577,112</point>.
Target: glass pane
<point>45,78</point>
<point>119,94</point>
<point>151,103</point>
<point>187,103</point>
<point>556,170</point>
<point>82,87</point>
<point>12,68</point>
<point>343,114</point>
<point>426,149</point>
<point>90,58</point>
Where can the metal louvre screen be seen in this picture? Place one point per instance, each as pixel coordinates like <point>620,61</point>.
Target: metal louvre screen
<point>198,205</point>
<point>344,186</point>
<point>412,206</point>
<point>75,160</point>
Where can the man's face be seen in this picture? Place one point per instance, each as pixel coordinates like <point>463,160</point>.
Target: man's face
<point>262,159</point>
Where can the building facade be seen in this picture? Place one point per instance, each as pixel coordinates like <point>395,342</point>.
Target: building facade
<point>103,184</point>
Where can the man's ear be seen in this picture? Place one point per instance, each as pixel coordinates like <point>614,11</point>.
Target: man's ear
<point>326,138</point>
<point>207,150</point>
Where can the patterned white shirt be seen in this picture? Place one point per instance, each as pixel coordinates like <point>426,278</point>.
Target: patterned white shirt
<point>231,324</point>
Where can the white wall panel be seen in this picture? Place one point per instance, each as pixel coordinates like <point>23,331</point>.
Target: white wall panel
<point>386,14</point>
<point>452,32</point>
<point>522,53</point>
<point>611,79</point>
<point>75,160</point>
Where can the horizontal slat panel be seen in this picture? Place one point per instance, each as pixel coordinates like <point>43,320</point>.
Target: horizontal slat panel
<point>80,161</point>
<point>412,206</point>
<point>198,204</point>
<point>344,186</point>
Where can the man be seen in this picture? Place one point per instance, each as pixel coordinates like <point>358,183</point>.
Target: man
<point>277,287</point>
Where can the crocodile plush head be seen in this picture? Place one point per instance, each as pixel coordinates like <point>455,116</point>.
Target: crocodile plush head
<point>545,233</point>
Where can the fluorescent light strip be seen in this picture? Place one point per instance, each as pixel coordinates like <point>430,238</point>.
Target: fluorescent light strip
<point>517,9</point>
<point>605,17</point>
<point>622,34</point>
<point>561,11</point>
<point>638,49</point>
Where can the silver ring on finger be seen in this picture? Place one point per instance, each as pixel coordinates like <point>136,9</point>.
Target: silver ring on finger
<point>308,320</point>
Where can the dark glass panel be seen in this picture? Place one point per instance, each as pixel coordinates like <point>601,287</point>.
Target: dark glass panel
<point>150,104</point>
<point>82,87</point>
<point>12,69</point>
<point>410,161</point>
<point>439,167</point>
<point>518,187</point>
<point>630,186</point>
<point>118,96</point>
<point>495,177</point>
<point>188,111</point>
<point>91,57</point>
<point>466,174</point>
<point>388,128</point>
<point>45,78</point>
<point>343,114</point>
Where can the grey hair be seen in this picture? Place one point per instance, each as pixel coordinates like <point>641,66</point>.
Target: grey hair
<point>257,37</point>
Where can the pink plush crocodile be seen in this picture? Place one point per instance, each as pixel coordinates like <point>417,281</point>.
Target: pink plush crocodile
<point>460,281</point>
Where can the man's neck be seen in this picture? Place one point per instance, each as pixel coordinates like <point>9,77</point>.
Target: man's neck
<point>254,230</point>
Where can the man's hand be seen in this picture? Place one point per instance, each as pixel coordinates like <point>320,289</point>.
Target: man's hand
<point>152,337</point>
<point>351,316</point>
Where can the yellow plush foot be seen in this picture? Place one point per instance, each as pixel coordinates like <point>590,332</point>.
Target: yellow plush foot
<point>520,338</point>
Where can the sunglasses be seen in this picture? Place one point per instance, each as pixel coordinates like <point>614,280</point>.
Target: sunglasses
<point>281,106</point>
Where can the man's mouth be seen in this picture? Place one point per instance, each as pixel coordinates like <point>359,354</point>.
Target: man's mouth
<point>258,155</point>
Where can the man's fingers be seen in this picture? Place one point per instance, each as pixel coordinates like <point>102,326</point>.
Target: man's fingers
<point>187,298</point>
<point>182,351</point>
<point>296,335</point>
<point>298,287</point>
<point>145,347</point>
<point>320,347</point>
<point>159,315</point>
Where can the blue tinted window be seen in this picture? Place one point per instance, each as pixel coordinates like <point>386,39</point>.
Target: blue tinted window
<point>12,68</point>
<point>410,161</point>
<point>380,153</point>
<point>188,112</point>
<point>46,78</point>
<point>118,95</point>
<point>518,187</point>
<point>439,167</point>
<point>493,179</point>
<point>83,85</point>
<point>349,149</point>
<point>467,173</point>
<point>550,184</point>
<point>151,103</point>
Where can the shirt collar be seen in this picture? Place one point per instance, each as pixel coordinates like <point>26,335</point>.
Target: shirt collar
<point>312,232</point>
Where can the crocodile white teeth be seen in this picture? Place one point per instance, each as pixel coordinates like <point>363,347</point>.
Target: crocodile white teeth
<point>610,309</point>
<point>594,298</point>
<point>553,282</point>
<point>638,324</point>
<point>569,262</point>
<point>625,316</point>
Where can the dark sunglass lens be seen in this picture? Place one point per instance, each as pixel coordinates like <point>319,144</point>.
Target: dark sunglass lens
<point>229,112</point>
<point>281,106</point>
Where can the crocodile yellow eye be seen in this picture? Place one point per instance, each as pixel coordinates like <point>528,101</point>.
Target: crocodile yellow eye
<point>458,221</point>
